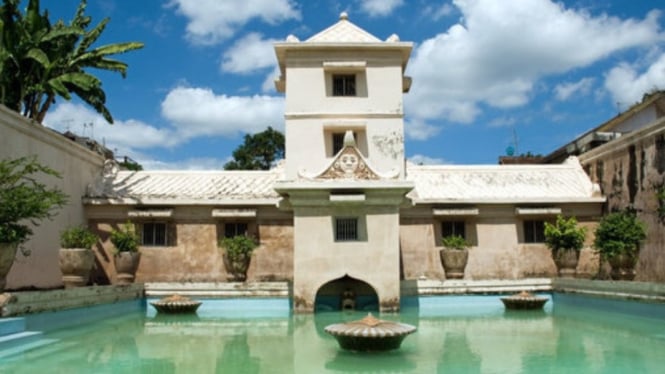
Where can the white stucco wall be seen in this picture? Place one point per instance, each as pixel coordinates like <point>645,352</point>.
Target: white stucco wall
<point>20,137</point>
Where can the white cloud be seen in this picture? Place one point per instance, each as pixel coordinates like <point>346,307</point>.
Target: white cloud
<point>211,21</point>
<point>627,85</point>
<point>419,130</point>
<point>419,159</point>
<point>200,112</point>
<point>500,49</point>
<point>249,54</point>
<point>269,83</point>
<point>379,8</point>
<point>503,122</point>
<point>564,91</point>
<point>124,136</point>
<point>436,12</point>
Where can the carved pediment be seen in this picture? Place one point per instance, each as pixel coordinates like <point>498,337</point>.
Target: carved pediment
<point>349,164</point>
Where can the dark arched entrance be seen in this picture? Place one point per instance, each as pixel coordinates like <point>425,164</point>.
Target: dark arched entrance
<point>346,293</point>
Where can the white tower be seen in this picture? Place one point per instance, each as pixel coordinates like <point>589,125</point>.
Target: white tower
<point>344,159</point>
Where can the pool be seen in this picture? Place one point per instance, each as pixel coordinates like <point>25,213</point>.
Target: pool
<point>456,334</point>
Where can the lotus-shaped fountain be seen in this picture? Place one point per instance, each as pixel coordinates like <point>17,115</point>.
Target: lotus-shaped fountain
<point>370,334</point>
<point>524,300</point>
<point>176,304</point>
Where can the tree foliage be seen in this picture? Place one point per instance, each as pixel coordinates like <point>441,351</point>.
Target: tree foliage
<point>24,199</point>
<point>619,233</point>
<point>40,60</point>
<point>564,234</point>
<point>259,151</point>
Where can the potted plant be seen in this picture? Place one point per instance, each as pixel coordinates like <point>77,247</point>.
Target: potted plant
<point>23,200</point>
<point>76,257</point>
<point>454,256</point>
<point>127,255</point>
<point>618,239</point>
<point>237,256</point>
<point>566,240</point>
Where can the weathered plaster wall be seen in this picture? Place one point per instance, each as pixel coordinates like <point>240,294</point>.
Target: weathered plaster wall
<point>192,254</point>
<point>498,250</point>
<point>630,171</point>
<point>79,166</point>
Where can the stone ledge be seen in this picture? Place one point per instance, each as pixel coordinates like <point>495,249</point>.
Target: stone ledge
<point>30,302</point>
<point>462,286</point>
<point>218,290</point>
<point>642,291</point>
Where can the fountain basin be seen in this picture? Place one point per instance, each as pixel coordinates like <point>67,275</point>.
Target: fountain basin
<point>176,304</point>
<point>524,301</point>
<point>370,334</point>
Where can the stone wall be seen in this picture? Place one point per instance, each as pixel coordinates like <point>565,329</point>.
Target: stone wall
<point>497,247</point>
<point>21,137</point>
<point>192,253</point>
<point>630,171</point>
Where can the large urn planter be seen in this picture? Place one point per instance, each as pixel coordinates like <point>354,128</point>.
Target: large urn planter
<point>127,255</point>
<point>126,264</point>
<point>76,265</point>
<point>7,255</point>
<point>454,256</point>
<point>76,257</point>
<point>566,262</point>
<point>237,256</point>
<point>623,267</point>
<point>454,262</point>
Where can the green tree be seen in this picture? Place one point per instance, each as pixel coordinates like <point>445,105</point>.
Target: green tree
<point>259,151</point>
<point>39,60</point>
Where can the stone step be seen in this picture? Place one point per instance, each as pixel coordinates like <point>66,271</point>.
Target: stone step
<point>19,338</point>
<point>10,326</point>
<point>15,351</point>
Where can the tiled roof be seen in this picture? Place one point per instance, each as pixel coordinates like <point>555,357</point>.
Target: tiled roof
<point>343,32</point>
<point>502,183</point>
<point>187,187</point>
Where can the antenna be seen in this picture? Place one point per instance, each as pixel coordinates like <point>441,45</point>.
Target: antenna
<point>515,140</point>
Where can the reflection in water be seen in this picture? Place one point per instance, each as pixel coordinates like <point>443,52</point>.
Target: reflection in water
<point>569,338</point>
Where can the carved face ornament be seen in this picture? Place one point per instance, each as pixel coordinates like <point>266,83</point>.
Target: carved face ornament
<point>349,163</point>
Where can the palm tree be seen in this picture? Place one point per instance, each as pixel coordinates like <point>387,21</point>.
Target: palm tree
<point>39,61</point>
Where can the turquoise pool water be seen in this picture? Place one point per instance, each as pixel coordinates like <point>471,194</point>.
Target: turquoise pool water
<point>456,334</point>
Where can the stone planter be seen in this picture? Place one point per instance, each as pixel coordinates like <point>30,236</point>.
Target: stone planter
<point>75,265</point>
<point>237,268</point>
<point>623,267</point>
<point>454,261</point>
<point>7,255</point>
<point>566,262</point>
<point>126,264</point>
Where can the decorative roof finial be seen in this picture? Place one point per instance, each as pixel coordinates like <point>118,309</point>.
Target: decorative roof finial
<point>344,16</point>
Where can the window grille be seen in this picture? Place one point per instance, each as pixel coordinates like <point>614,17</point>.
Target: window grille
<point>344,85</point>
<point>346,229</point>
<point>450,228</point>
<point>534,231</point>
<point>232,229</point>
<point>154,234</point>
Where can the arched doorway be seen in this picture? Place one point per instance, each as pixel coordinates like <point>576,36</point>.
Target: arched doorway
<point>346,293</point>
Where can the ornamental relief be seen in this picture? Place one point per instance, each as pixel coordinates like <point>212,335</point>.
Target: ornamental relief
<point>349,165</point>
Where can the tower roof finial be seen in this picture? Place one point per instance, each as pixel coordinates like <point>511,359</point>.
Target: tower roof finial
<point>344,16</point>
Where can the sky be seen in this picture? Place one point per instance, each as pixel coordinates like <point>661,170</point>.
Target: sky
<point>488,75</point>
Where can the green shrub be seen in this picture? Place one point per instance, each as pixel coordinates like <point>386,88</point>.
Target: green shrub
<point>454,242</point>
<point>619,233</point>
<point>78,237</point>
<point>564,234</point>
<point>238,247</point>
<point>125,239</point>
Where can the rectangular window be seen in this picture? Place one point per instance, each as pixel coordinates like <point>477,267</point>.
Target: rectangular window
<point>346,229</point>
<point>154,234</point>
<point>450,228</point>
<point>534,231</point>
<point>232,229</point>
<point>344,85</point>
